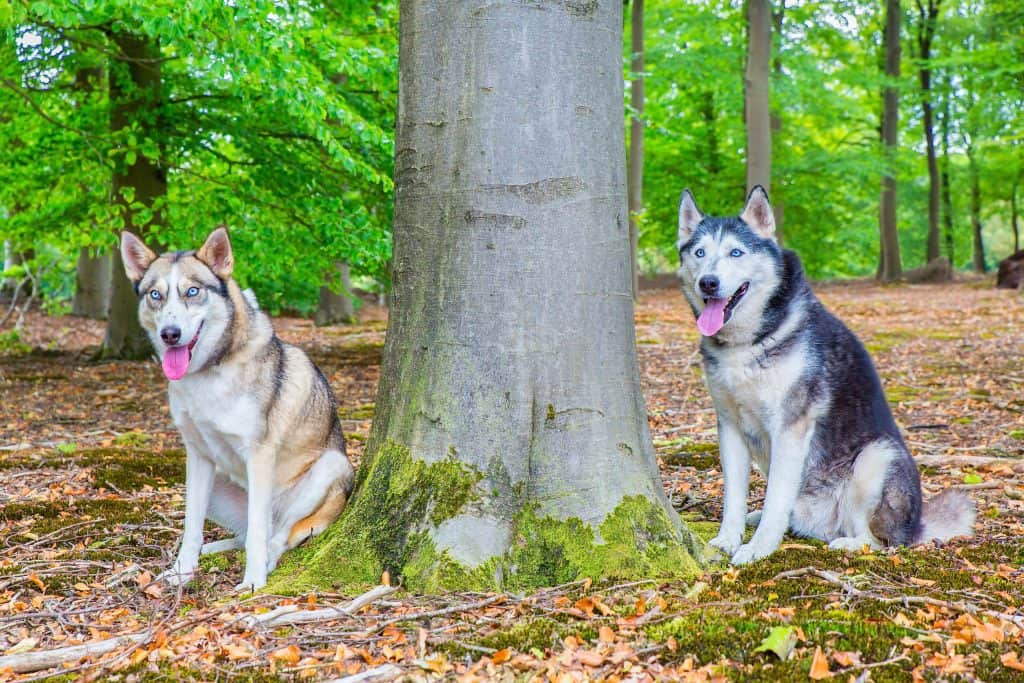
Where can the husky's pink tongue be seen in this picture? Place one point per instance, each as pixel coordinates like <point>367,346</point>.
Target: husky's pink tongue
<point>176,362</point>
<point>712,317</point>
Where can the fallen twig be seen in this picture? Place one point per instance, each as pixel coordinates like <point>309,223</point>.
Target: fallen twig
<point>956,606</point>
<point>47,659</point>
<point>294,614</point>
<point>467,607</point>
<point>378,674</point>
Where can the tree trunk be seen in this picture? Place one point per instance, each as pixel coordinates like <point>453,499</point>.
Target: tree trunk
<point>336,307</point>
<point>890,267</point>
<point>1014,213</point>
<point>510,446</point>
<point>927,16</point>
<point>636,138</point>
<point>756,89</point>
<point>135,96</point>
<point>947,199</point>
<point>978,253</point>
<point>775,119</point>
<point>12,258</point>
<point>92,285</point>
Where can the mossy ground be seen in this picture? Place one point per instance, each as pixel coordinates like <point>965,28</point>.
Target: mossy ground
<point>954,382</point>
<point>386,529</point>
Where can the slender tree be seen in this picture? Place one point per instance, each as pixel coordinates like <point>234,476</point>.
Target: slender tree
<point>757,89</point>
<point>889,267</point>
<point>139,182</point>
<point>636,137</point>
<point>778,203</point>
<point>947,195</point>
<point>510,444</point>
<point>927,19</point>
<point>92,271</point>
<point>335,303</point>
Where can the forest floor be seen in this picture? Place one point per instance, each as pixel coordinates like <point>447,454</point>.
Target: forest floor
<point>91,474</point>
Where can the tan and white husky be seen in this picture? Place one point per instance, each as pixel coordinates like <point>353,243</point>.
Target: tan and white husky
<point>265,452</point>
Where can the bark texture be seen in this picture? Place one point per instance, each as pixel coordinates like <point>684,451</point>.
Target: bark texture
<point>510,445</point>
<point>335,306</point>
<point>756,88</point>
<point>135,94</point>
<point>927,14</point>
<point>890,266</point>
<point>636,137</point>
<point>92,285</point>
<point>947,198</point>
<point>978,251</point>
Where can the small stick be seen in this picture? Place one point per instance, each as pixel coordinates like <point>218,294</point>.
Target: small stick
<point>293,614</point>
<point>442,612</point>
<point>47,659</point>
<point>378,674</point>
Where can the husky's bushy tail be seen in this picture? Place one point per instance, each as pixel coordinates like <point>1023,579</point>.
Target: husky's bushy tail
<point>948,514</point>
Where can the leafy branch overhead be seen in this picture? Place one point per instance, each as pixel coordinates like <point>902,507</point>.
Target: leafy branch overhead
<point>274,119</point>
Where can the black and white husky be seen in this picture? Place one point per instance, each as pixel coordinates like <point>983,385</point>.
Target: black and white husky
<point>798,397</point>
<point>265,451</point>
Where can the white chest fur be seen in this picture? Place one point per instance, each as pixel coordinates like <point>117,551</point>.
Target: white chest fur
<point>218,412</point>
<point>751,389</point>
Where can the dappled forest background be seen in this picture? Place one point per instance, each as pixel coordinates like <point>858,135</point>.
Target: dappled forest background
<point>277,119</point>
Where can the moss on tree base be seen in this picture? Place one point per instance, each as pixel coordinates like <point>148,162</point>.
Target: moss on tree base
<point>401,501</point>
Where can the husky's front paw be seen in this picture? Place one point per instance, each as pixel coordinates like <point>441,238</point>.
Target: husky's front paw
<point>727,543</point>
<point>751,552</point>
<point>251,584</point>
<point>176,576</point>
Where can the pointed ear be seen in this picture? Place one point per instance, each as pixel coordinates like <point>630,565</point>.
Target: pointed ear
<point>758,213</point>
<point>689,216</point>
<point>135,256</point>
<point>216,253</point>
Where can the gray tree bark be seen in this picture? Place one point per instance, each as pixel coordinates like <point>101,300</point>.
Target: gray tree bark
<point>947,198</point>
<point>757,88</point>
<point>336,307</point>
<point>636,137</point>
<point>778,202</point>
<point>928,14</point>
<point>890,267</point>
<point>1014,213</point>
<point>92,285</point>
<point>510,351</point>
<point>135,95</point>
<point>974,202</point>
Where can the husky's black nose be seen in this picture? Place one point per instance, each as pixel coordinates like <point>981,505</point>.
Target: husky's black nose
<point>171,335</point>
<point>708,284</point>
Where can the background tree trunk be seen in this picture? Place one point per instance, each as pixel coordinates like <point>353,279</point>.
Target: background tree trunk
<point>978,252</point>
<point>1014,213</point>
<point>135,94</point>
<point>636,138</point>
<point>510,446</point>
<point>947,199</point>
<point>12,258</point>
<point>778,201</point>
<point>335,308</point>
<point>927,16</point>
<point>92,285</point>
<point>756,89</point>
<point>890,267</point>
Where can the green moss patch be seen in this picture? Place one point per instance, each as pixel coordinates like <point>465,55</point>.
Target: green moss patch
<point>387,527</point>
<point>636,540</point>
<point>384,527</point>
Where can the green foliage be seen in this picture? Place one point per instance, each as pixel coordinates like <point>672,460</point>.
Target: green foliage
<point>274,118</point>
<point>826,97</point>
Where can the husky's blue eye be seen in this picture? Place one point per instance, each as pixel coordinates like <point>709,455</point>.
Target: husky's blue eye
<point>735,253</point>
<point>699,253</point>
<point>192,291</point>
<point>155,295</point>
